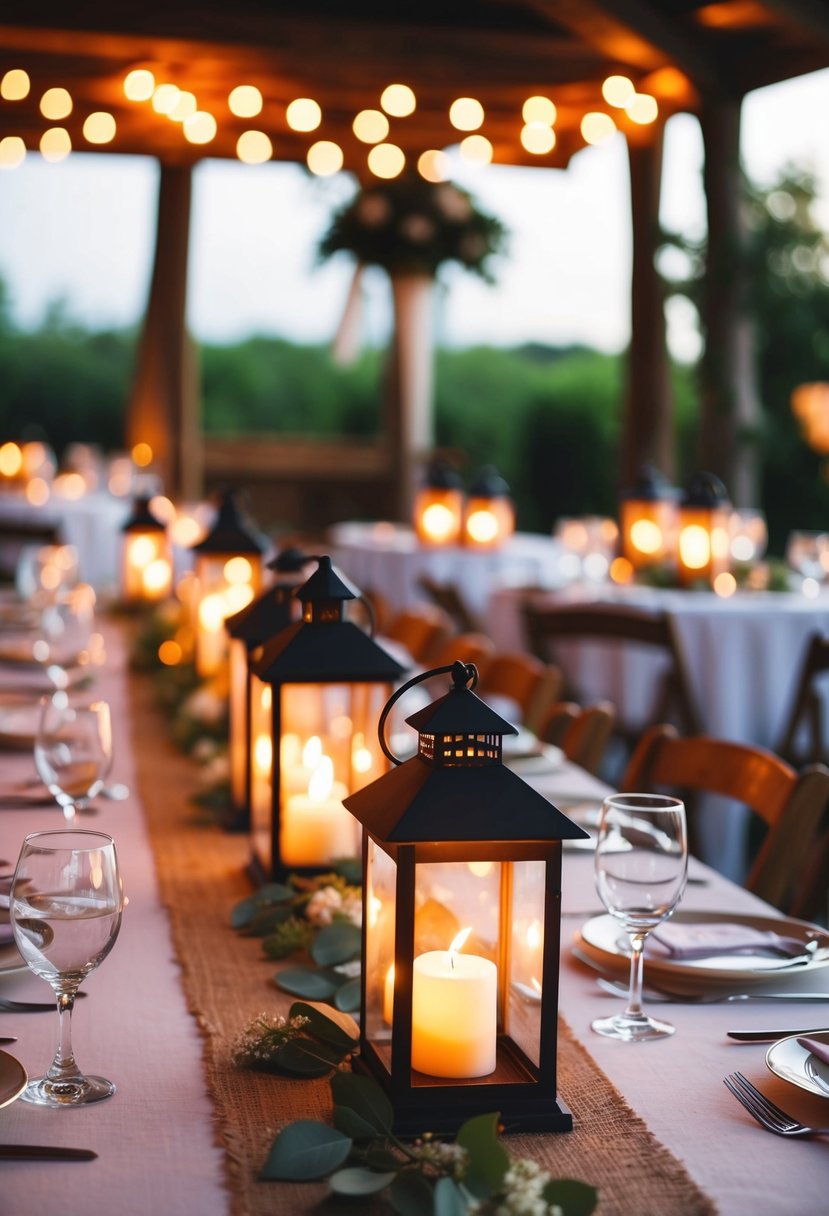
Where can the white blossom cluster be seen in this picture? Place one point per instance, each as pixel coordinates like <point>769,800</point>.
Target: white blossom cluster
<point>263,1037</point>
<point>449,1157</point>
<point>329,903</point>
<point>523,1187</point>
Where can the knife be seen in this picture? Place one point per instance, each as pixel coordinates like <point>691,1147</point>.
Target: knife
<point>45,1152</point>
<point>769,1036</point>
<point>7,1039</point>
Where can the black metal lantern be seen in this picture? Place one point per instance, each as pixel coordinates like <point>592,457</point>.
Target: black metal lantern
<point>703,542</point>
<point>248,629</point>
<point>461,925</point>
<point>228,569</point>
<point>489,518</point>
<point>146,557</point>
<point>316,693</point>
<point>438,506</point>
<point>647,519</point>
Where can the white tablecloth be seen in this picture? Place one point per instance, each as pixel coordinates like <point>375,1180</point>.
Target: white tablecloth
<point>91,523</point>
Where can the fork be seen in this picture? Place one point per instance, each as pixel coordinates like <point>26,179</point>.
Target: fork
<point>661,995</point>
<point>7,1006</point>
<point>767,1113</point>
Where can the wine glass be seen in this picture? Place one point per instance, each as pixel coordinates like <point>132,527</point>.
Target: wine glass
<point>65,910</point>
<point>808,554</point>
<point>73,750</point>
<point>641,868</point>
<point>65,631</point>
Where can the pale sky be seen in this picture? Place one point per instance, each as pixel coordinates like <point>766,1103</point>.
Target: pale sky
<point>83,230</point>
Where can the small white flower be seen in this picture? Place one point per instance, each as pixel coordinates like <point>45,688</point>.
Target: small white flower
<point>322,905</point>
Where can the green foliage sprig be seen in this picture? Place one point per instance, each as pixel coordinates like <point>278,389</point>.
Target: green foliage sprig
<point>412,226</point>
<point>307,1043</point>
<point>318,917</point>
<point>361,1156</point>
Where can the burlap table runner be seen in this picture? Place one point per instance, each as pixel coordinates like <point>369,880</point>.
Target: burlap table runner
<point>227,980</point>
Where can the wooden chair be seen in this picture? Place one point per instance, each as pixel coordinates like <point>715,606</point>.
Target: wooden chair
<point>789,803</point>
<point>523,679</point>
<point>548,624</point>
<point>422,629</point>
<point>474,648</point>
<point>449,598</point>
<point>806,709</point>
<point>582,733</point>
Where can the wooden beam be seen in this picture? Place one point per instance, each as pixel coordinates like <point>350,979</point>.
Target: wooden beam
<point>163,407</point>
<point>810,15</point>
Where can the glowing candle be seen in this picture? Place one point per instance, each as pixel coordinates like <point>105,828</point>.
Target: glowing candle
<point>388,996</point>
<point>316,828</point>
<point>454,1012</point>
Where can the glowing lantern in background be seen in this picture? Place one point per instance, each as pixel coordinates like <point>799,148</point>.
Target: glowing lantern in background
<point>228,573</point>
<point>146,557</point>
<point>461,924</point>
<point>262,619</point>
<point>703,541</point>
<point>647,519</point>
<point>438,507</point>
<point>316,692</point>
<point>490,515</point>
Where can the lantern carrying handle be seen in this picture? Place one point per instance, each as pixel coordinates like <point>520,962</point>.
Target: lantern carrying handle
<point>463,674</point>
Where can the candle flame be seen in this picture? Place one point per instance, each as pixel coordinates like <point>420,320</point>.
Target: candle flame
<point>458,942</point>
<point>312,751</point>
<point>321,782</point>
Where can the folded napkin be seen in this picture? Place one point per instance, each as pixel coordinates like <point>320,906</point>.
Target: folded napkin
<point>6,934</point>
<point>680,940</point>
<point>821,1050</point>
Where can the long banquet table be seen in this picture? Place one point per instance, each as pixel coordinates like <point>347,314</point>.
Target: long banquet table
<point>187,1132</point>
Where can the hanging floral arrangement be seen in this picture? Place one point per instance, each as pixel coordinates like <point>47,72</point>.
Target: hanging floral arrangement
<point>411,226</point>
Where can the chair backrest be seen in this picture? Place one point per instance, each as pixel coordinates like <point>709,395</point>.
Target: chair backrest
<point>582,733</point>
<point>806,708</point>
<point>523,679</point>
<point>474,648</point>
<point>620,624</point>
<point>422,629</point>
<point>791,804</point>
<point>448,597</point>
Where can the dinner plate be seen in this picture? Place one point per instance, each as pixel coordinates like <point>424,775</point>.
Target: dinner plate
<point>788,1060</point>
<point>11,962</point>
<point>604,939</point>
<point>13,1078</point>
<point>19,723</point>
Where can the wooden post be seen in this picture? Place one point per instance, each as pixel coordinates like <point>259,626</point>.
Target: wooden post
<point>730,401</point>
<point>647,433</point>
<point>409,403</point>
<point>164,408</point>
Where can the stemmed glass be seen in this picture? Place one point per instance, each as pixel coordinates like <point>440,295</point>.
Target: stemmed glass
<point>73,750</point>
<point>66,624</point>
<point>65,909</point>
<point>641,868</point>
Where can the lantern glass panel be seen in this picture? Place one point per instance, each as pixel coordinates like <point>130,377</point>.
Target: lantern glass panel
<point>381,882</point>
<point>147,570</point>
<point>261,768</point>
<point>226,584</point>
<point>238,714</point>
<point>523,1008</point>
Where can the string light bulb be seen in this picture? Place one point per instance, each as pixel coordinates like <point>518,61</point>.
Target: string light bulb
<point>398,100</point>
<point>245,101</point>
<point>466,114</point>
<point>303,114</point>
<point>139,85</point>
<point>324,158</point>
<point>56,103</point>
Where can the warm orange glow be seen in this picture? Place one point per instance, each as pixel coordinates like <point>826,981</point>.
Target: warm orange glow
<point>142,454</point>
<point>139,85</point>
<point>621,571</point>
<point>537,138</point>
<point>303,114</point>
<point>15,85</point>
<point>37,491</point>
<point>99,128</point>
<point>398,100</point>
<point>386,160</point>
<point>11,460</point>
<point>618,91</point>
<point>12,152</point>
<point>725,584</point>
<point>481,869</point>
<point>370,126</point>
<point>186,531</point>
<point>185,107</point>
<point>539,109</point>
<point>70,485</point>
<point>325,158</point>
<point>238,570</point>
<point>670,84</point>
<point>200,128</point>
<point>642,109</point>
<point>596,127</point>
<point>254,148</point>
<point>433,165</point>
<point>646,536</point>
<point>165,97</point>
<point>170,653</point>
<point>694,547</point>
<point>736,14</point>
<point>245,101</point>
<point>162,508</point>
<point>476,149</point>
<point>55,104</point>
<point>466,114</point>
<point>55,145</point>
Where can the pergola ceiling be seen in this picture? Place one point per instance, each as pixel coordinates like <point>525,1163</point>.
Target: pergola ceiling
<point>499,52</point>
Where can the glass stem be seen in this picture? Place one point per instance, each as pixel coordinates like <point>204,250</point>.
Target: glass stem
<point>63,1067</point>
<point>634,1005</point>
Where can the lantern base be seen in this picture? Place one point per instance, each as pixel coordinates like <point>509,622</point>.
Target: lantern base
<point>442,1108</point>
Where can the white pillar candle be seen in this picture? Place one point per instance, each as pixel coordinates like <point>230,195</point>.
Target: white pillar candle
<point>454,1013</point>
<point>315,827</point>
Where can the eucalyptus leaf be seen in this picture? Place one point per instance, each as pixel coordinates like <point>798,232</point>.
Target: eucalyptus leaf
<point>351,869</point>
<point>351,1124</point>
<point>336,943</point>
<point>274,893</point>
<point>311,1060</point>
<point>266,920</point>
<point>356,1181</point>
<point>244,912</point>
<point>365,1097</point>
<point>315,982</point>
<point>449,1199</point>
<point>411,1195</point>
<point>304,1151</point>
<point>347,998</point>
<point>246,909</point>
<point>488,1159</point>
<point>573,1197</point>
<point>328,1024</point>
<point>379,1159</point>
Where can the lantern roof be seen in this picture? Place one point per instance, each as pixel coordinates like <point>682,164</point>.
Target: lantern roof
<point>651,485</point>
<point>416,803</point>
<point>263,617</point>
<point>705,490</point>
<point>489,483</point>
<point>312,652</point>
<point>460,712</point>
<point>290,560</point>
<point>229,534</point>
<point>441,475</point>
<point>141,518</point>
<point>327,583</point>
